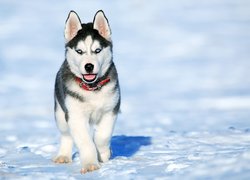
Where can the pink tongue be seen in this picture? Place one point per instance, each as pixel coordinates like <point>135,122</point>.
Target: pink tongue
<point>89,77</point>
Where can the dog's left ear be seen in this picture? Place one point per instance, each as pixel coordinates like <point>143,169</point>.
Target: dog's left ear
<point>101,24</point>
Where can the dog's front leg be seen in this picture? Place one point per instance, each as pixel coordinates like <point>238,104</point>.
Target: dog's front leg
<point>80,131</point>
<point>103,135</point>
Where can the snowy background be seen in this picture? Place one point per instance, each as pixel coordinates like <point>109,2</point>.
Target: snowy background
<point>184,69</point>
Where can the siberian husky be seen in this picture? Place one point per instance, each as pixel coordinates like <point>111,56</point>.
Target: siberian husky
<point>87,94</point>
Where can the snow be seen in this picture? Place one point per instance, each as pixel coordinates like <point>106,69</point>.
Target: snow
<point>183,68</point>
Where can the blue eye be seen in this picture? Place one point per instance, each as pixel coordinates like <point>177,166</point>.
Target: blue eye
<point>79,51</point>
<point>98,50</point>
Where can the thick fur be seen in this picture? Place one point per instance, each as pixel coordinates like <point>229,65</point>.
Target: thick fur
<point>83,117</point>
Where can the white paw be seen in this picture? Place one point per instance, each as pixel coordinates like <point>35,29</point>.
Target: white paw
<point>105,156</point>
<point>90,168</point>
<point>62,159</point>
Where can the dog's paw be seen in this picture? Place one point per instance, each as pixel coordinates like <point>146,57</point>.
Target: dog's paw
<point>90,168</point>
<point>62,159</point>
<point>105,156</point>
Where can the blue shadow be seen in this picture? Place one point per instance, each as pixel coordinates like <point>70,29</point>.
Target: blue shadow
<point>127,146</point>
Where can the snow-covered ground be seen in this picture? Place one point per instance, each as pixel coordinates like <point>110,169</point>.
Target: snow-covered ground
<point>184,70</point>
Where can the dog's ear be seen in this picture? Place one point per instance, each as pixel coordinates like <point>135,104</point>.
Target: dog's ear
<point>101,25</point>
<point>72,26</point>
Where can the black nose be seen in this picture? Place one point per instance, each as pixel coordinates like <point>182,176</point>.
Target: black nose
<point>89,67</point>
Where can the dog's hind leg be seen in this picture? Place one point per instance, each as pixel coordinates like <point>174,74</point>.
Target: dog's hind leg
<point>103,136</point>
<point>65,151</point>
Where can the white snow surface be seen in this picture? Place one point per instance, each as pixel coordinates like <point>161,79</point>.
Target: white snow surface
<point>184,69</point>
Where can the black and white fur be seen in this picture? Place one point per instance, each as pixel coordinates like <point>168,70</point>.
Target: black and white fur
<point>86,118</point>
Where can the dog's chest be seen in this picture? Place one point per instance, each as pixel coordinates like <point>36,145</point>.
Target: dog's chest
<point>98,104</point>
<point>95,103</point>
<point>99,100</point>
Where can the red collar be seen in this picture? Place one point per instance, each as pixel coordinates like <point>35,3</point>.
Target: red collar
<point>88,87</point>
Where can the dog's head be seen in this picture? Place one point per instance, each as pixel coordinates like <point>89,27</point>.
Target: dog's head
<point>88,46</point>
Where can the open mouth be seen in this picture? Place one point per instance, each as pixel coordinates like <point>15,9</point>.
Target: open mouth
<point>89,77</point>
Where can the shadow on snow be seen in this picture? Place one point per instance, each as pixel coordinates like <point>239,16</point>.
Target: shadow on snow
<point>127,146</point>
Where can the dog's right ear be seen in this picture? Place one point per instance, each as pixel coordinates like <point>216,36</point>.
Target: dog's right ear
<point>73,25</point>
